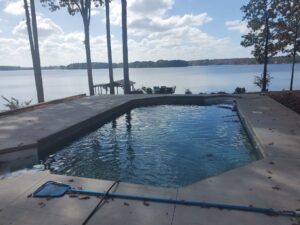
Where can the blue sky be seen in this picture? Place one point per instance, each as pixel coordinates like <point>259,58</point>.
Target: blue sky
<point>157,29</point>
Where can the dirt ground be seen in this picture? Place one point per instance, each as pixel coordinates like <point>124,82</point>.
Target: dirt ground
<point>290,99</point>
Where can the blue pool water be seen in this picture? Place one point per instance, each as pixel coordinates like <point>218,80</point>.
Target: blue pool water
<point>169,146</point>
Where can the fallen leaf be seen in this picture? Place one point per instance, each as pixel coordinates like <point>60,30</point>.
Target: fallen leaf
<point>29,196</point>
<point>73,196</point>
<point>41,204</point>
<point>71,180</point>
<point>146,204</point>
<point>125,203</point>
<point>84,198</point>
<point>276,188</point>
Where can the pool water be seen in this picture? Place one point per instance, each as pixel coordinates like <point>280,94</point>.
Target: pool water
<point>168,146</point>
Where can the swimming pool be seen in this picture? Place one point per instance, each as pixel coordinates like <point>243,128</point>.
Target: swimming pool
<point>167,145</point>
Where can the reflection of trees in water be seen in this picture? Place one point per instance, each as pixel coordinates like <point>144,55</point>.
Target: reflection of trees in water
<point>114,166</point>
<point>119,132</point>
<point>114,124</point>
<point>129,149</point>
<point>128,121</point>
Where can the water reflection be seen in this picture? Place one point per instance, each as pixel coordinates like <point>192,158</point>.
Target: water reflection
<point>168,146</point>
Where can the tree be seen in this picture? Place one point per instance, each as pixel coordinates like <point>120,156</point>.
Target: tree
<point>109,55</point>
<point>34,48</point>
<point>288,30</point>
<point>125,47</point>
<point>84,8</point>
<point>260,17</point>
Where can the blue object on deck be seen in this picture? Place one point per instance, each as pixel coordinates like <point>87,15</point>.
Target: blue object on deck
<point>54,189</point>
<point>51,189</point>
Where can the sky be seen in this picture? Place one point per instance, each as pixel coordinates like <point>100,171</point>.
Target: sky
<point>157,29</point>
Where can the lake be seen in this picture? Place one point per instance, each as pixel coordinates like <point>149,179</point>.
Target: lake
<point>62,83</point>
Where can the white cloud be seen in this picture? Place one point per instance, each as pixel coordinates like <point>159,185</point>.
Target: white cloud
<point>150,8</point>
<point>146,25</point>
<point>153,34</point>
<point>237,25</point>
<point>46,27</point>
<point>15,7</point>
<point>95,10</point>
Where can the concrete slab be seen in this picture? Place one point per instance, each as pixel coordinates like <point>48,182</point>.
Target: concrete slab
<point>276,128</point>
<point>197,216</point>
<point>134,213</point>
<point>273,181</point>
<point>72,209</point>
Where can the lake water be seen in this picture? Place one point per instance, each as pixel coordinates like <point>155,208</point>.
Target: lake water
<point>62,83</point>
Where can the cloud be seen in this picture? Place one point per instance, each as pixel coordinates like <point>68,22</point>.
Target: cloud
<point>152,8</point>
<point>146,25</point>
<point>139,9</point>
<point>95,10</point>
<point>46,27</point>
<point>153,34</point>
<point>15,7</point>
<point>237,25</point>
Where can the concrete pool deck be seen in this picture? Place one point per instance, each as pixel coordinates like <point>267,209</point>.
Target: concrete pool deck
<point>273,181</point>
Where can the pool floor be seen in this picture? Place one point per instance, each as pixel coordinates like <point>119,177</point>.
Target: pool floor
<point>168,146</point>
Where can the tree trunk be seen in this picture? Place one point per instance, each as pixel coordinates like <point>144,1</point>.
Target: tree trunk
<point>125,47</point>
<point>294,59</point>
<point>109,55</point>
<point>29,30</point>
<point>88,56</point>
<point>264,83</point>
<point>37,62</point>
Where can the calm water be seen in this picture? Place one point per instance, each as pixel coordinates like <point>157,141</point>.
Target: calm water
<point>62,83</point>
<point>168,146</point>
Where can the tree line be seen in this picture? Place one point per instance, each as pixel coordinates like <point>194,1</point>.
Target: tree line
<point>164,63</point>
<point>274,29</point>
<point>82,7</point>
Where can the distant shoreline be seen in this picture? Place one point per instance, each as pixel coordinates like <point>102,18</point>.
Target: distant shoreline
<point>161,64</point>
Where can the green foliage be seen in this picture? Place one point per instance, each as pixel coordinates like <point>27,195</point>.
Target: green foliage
<point>73,6</point>
<point>258,80</point>
<point>14,103</point>
<point>260,16</point>
<point>288,26</point>
<point>239,90</point>
<point>148,90</point>
<point>188,91</point>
